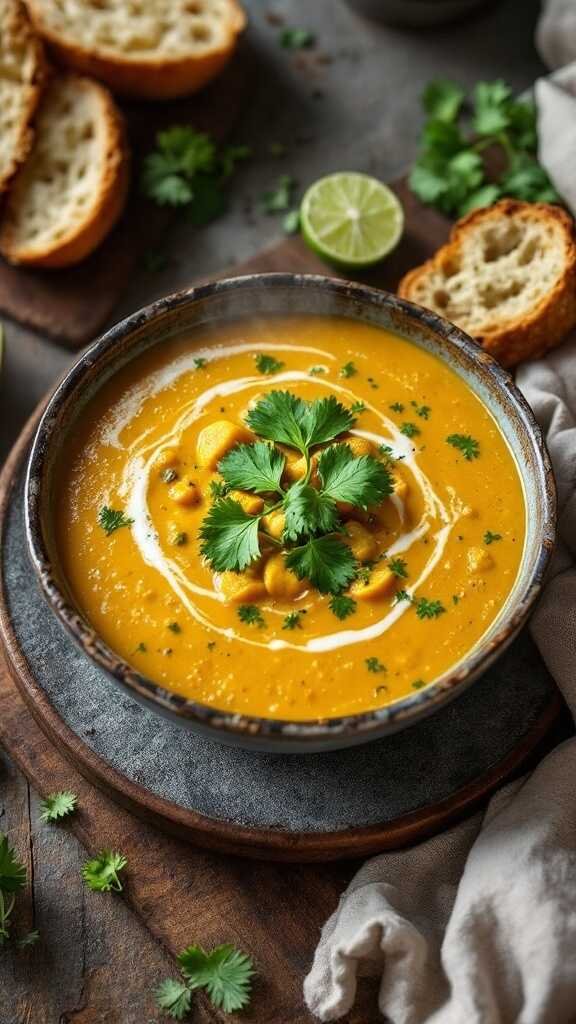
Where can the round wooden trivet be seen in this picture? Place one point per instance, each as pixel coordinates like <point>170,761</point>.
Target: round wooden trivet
<point>348,803</point>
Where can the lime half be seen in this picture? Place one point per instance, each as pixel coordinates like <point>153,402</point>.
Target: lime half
<point>351,219</point>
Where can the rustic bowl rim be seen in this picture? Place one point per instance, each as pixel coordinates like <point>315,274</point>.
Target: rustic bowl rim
<point>251,730</point>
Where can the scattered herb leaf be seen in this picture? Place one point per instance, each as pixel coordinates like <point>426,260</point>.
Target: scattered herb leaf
<point>279,198</point>
<point>398,567</point>
<point>410,430</point>
<point>174,997</point>
<point>174,627</point>
<point>267,365</point>
<point>294,619</point>
<point>111,519</point>
<point>396,407</point>
<point>342,605</point>
<point>426,609</point>
<point>251,615</point>
<point>465,444</point>
<point>225,973</point>
<point>348,370</point>
<point>296,38</point>
<point>374,665</point>
<point>102,873</point>
<point>490,538</point>
<point>58,805</point>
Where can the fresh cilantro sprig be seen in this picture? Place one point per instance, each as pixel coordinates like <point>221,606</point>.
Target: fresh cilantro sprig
<point>490,537</point>
<point>102,873</point>
<point>267,365</point>
<point>325,561</point>
<point>225,974</point>
<point>12,879</point>
<point>111,519</point>
<point>187,169</point>
<point>450,172</point>
<point>286,419</point>
<point>342,606</point>
<point>56,806</point>
<point>469,447</point>
<point>253,467</point>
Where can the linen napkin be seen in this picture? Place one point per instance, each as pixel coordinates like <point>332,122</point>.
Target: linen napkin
<point>478,924</point>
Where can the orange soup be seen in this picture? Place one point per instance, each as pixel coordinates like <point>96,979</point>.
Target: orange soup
<point>297,518</point>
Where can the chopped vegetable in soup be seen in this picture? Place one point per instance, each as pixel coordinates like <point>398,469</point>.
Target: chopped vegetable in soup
<point>293,518</point>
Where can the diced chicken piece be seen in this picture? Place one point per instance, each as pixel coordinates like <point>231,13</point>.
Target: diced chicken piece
<point>251,503</point>
<point>185,493</point>
<point>478,560</point>
<point>241,587</point>
<point>166,458</point>
<point>280,582</point>
<point>274,523</point>
<point>360,541</point>
<point>381,583</point>
<point>218,438</point>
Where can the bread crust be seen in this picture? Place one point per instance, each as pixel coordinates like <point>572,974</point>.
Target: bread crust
<point>153,78</point>
<point>545,326</point>
<point>84,237</point>
<point>16,22</point>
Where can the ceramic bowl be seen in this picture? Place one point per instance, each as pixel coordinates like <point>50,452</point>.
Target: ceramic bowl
<point>264,295</point>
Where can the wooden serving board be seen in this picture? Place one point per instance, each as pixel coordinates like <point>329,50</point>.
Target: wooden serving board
<point>72,305</point>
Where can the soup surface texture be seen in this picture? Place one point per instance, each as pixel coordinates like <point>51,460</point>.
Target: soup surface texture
<point>147,520</point>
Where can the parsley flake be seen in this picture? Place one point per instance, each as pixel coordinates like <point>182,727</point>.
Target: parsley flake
<point>180,538</point>
<point>58,805</point>
<point>317,371</point>
<point>200,363</point>
<point>374,665</point>
<point>465,444</point>
<point>294,619</point>
<point>296,38</point>
<point>418,684</point>
<point>348,370</point>
<point>396,407</point>
<point>342,605</point>
<point>251,615</point>
<point>421,410</point>
<point>398,567</point>
<point>490,538</point>
<point>267,365</point>
<point>410,430</point>
<point>426,609</point>
<point>174,627</point>
<point>111,519</point>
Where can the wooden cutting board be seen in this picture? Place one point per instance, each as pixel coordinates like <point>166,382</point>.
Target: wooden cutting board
<point>72,305</point>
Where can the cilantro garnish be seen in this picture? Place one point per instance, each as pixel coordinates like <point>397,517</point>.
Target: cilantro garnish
<point>421,410</point>
<point>396,407</point>
<point>325,561</point>
<point>175,627</point>
<point>308,511</point>
<point>357,407</point>
<point>229,536</point>
<point>267,364</point>
<point>465,444</point>
<point>218,489</point>
<point>225,973</point>
<point>402,595</point>
<point>426,609</point>
<point>374,665</point>
<point>450,173</point>
<point>283,418</point>
<point>251,615</point>
<point>187,169</point>
<point>294,619</point>
<point>418,684</point>
<point>348,370</point>
<point>279,198</point>
<point>490,538</point>
<point>296,38</point>
<point>200,362</point>
<point>12,878</point>
<point>58,805</point>
<point>111,519</point>
<point>316,371</point>
<point>253,467</point>
<point>398,567</point>
<point>291,222</point>
<point>102,873</point>
<point>360,481</point>
<point>409,430</point>
<point>342,606</point>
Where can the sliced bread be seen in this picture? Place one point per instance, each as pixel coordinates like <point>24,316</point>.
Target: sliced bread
<point>507,277</point>
<point>156,49</point>
<point>22,72</point>
<point>73,186</point>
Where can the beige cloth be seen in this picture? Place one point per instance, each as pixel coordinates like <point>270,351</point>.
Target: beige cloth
<point>478,925</point>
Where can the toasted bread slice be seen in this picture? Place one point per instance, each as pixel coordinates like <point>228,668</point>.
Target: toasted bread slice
<point>507,277</point>
<point>22,73</point>
<point>73,186</point>
<point>157,49</point>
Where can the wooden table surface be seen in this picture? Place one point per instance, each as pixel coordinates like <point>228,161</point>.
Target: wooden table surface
<point>355,107</point>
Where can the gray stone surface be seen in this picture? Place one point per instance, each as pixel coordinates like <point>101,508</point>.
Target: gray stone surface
<point>361,786</point>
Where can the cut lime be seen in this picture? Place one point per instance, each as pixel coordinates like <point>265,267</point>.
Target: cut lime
<point>351,219</point>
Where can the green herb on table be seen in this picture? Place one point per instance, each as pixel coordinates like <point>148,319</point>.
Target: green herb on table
<point>187,169</point>
<point>12,879</point>
<point>225,974</point>
<point>348,370</point>
<point>374,665</point>
<point>410,430</point>
<point>279,198</point>
<point>421,410</point>
<point>111,519</point>
<point>174,627</point>
<point>294,619</point>
<point>341,605</point>
<point>490,538</point>
<point>56,806</point>
<point>102,873</point>
<point>291,222</point>
<point>450,172</point>
<point>396,407</point>
<point>251,615</point>
<point>296,38</point>
<point>30,939</point>
<point>398,567</point>
<point>465,444</point>
<point>267,365</point>
<point>426,609</point>
<point>312,545</point>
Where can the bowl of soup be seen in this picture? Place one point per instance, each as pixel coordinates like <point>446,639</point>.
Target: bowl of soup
<point>292,512</point>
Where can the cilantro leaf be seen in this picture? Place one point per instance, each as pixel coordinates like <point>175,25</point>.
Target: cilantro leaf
<point>490,538</point>
<point>374,665</point>
<point>526,179</point>
<point>294,619</point>
<point>426,609</point>
<point>253,467</point>
<point>443,99</point>
<point>491,107</point>
<point>282,417</point>
<point>308,511</point>
<point>267,364</point>
<point>251,615</point>
<point>410,430</point>
<point>232,155</point>
<point>111,519</point>
<point>361,481</point>
<point>398,567</point>
<point>326,562</point>
<point>296,38</point>
<point>291,222</point>
<point>229,536</point>
<point>169,171</point>
<point>483,196</point>
<point>102,873</point>
<point>218,489</point>
<point>225,973</point>
<point>12,872</point>
<point>465,444</point>
<point>30,939</point>
<point>279,198</point>
<point>174,997</point>
<point>348,370</point>
<point>57,805</point>
<point>342,605</point>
